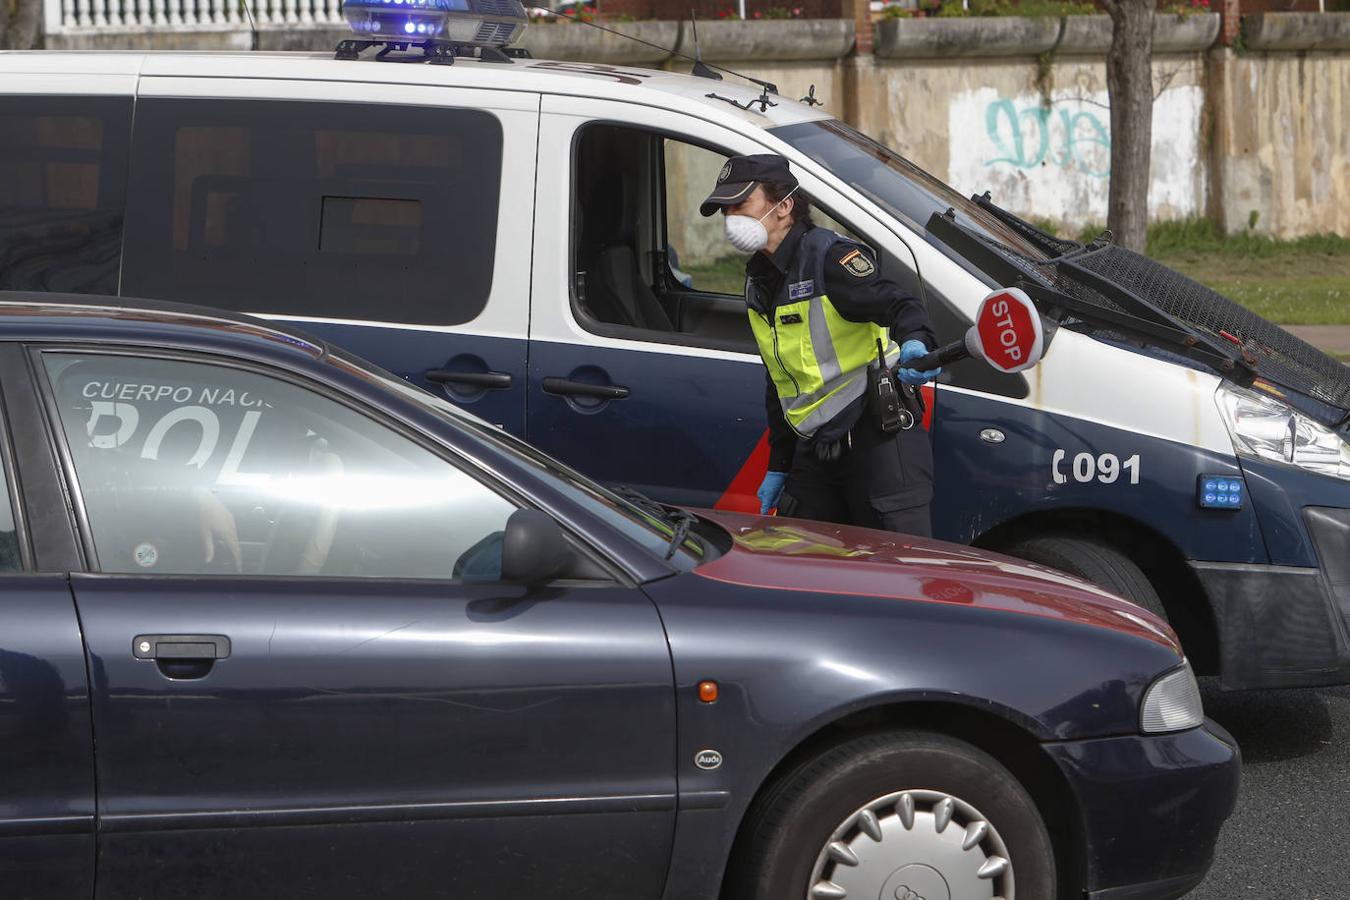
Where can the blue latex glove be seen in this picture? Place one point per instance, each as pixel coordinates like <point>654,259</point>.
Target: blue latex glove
<point>770,489</point>
<point>910,351</point>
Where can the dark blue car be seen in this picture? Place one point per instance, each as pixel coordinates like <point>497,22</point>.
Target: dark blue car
<point>277,624</point>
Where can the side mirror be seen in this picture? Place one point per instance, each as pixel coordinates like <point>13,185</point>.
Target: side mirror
<point>533,548</point>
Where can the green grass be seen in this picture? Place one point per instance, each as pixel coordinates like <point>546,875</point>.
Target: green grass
<point>723,276</point>
<point>1202,235</point>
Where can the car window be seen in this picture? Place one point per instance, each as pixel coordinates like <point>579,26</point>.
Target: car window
<point>635,233</point>
<point>697,252</point>
<point>10,558</point>
<point>190,468</point>
<point>332,210</point>
<point>624,515</point>
<point>699,257</point>
<point>63,174</point>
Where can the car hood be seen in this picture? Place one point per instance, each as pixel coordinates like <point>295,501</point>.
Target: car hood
<point>819,557</point>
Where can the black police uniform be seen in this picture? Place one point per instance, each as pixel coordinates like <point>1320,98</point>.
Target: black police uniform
<point>850,471</point>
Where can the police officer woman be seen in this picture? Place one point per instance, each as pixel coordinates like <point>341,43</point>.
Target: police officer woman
<point>822,314</point>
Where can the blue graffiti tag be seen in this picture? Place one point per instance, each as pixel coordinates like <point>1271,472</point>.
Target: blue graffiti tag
<point>1065,137</point>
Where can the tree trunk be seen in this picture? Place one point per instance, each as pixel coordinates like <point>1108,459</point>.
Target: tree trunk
<point>20,24</point>
<point>1129,85</point>
<point>19,20</point>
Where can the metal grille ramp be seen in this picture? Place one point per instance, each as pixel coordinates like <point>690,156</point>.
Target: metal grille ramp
<point>1279,356</point>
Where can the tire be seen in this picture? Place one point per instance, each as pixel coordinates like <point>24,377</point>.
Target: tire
<point>1096,562</point>
<point>790,845</point>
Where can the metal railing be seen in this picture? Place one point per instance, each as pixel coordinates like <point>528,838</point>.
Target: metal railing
<point>175,15</point>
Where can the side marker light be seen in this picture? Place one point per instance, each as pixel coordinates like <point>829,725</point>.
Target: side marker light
<point>1220,491</point>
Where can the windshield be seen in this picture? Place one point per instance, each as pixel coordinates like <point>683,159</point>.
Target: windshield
<point>894,183</point>
<point>647,526</point>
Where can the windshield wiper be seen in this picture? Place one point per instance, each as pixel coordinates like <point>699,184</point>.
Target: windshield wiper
<point>1048,244</point>
<point>683,522</point>
<point>642,501</point>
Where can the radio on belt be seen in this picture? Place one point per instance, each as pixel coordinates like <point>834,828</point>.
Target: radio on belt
<point>441,29</point>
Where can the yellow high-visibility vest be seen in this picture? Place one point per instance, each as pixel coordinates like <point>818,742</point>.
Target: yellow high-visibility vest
<point>817,359</point>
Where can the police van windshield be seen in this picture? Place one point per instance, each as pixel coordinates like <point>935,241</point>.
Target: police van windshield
<point>894,183</point>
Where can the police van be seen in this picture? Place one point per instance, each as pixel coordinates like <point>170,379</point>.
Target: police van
<point>521,236</point>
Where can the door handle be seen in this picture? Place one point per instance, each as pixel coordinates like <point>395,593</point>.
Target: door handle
<point>488,381</point>
<point>186,647</point>
<point>563,387</point>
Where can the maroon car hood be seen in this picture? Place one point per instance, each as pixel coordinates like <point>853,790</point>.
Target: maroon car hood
<point>798,555</point>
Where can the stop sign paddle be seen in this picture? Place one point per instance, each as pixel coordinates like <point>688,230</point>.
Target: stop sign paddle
<point>1007,335</point>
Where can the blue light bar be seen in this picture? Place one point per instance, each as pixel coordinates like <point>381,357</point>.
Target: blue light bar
<point>400,19</point>
<point>472,23</point>
<point>1220,491</point>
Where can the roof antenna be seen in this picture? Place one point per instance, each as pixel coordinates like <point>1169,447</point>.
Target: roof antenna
<point>252,25</point>
<point>700,67</point>
<point>700,70</point>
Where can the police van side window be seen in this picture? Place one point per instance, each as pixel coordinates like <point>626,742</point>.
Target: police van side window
<point>63,174</point>
<point>329,210</point>
<point>698,255</point>
<point>185,468</point>
<point>628,279</point>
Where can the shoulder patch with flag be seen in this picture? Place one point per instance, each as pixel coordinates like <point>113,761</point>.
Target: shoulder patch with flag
<point>857,264</point>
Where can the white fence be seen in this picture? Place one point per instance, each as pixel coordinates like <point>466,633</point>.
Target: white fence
<point>186,15</point>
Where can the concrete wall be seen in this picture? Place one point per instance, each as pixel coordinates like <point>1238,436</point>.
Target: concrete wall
<point>1281,141</point>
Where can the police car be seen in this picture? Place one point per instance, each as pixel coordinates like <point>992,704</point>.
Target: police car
<point>519,236</point>
<point>277,624</point>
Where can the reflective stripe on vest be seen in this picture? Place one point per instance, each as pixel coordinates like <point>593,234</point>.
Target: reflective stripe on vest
<point>817,359</point>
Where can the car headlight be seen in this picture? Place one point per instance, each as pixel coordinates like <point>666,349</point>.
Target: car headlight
<point>1172,703</point>
<point>1263,427</point>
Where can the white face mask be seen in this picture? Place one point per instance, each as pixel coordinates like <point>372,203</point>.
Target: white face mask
<point>749,235</point>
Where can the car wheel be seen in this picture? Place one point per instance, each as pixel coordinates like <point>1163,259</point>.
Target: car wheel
<point>1096,562</point>
<point>897,816</point>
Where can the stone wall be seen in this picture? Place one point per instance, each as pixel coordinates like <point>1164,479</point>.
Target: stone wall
<point>1280,147</point>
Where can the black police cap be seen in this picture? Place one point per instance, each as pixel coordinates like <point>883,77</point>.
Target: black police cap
<point>739,177</point>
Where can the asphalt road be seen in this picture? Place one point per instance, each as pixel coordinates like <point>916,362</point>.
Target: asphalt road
<point>1288,838</point>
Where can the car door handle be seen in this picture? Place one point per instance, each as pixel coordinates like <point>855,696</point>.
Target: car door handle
<point>488,381</point>
<point>180,646</point>
<point>563,387</point>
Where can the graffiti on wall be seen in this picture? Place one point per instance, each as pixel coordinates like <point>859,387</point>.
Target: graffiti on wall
<point>1064,134</point>
<point>1053,160</point>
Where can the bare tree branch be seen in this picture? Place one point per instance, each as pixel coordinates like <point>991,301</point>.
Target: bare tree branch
<point>1166,77</point>
<point>1085,99</point>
